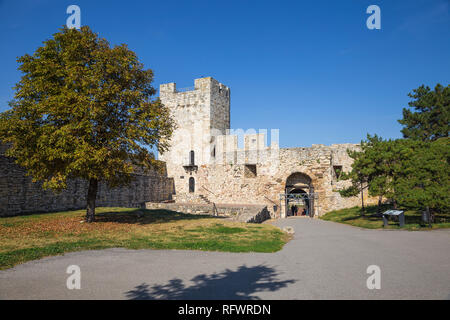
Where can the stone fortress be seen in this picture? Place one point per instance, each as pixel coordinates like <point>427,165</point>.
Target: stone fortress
<point>205,170</point>
<point>209,168</point>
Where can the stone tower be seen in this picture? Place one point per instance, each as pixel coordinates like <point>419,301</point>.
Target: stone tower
<point>200,113</point>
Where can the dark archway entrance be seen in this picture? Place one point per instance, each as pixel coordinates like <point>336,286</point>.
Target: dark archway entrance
<point>299,193</point>
<point>298,203</point>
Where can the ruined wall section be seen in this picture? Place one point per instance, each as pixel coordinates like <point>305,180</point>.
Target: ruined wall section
<point>254,174</point>
<point>320,163</point>
<point>255,150</point>
<point>229,182</point>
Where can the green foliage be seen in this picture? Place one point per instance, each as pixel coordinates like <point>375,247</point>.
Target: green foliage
<point>430,118</point>
<point>351,191</point>
<point>359,175</point>
<point>413,219</point>
<point>84,109</point>
<point>378,164</point>
<point>413,173</point>
<point>424,175</point>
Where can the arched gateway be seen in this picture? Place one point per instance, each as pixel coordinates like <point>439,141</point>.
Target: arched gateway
<point>299,194</point>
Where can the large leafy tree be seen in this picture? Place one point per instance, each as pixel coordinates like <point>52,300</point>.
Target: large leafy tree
<point>429,118</point>
<point>84,109</point>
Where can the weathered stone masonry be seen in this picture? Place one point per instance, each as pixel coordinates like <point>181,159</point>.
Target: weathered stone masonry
<point>222,173</point>
<point>19,195</point>
<point>204,166</point>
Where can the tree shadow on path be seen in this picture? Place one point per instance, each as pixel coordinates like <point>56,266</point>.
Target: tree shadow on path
<point>244,283</point>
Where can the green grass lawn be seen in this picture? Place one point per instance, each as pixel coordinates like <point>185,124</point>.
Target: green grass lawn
<point>33,237</point>
<point>352,216</point>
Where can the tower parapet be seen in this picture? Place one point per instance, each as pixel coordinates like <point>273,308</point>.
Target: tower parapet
<point>200,113</point>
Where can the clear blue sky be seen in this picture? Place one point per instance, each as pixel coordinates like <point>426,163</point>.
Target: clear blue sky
<point>309,68</point>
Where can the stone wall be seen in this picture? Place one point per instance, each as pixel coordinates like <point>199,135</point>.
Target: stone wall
<point>228,182</point>
<point>19,195</point>
<point>255,174</point>
<point>243,213</point>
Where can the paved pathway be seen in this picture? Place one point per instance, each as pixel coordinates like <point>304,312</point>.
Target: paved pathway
<point>325,260</point>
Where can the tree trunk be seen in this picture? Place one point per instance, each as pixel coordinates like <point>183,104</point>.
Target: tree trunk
<point>379,205</point>
<point>429,217</point>
<point>362,201</point>
<point>92,195</point>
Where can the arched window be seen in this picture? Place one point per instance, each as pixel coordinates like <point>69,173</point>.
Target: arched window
<point>191,184</point>
<point>192,158</point>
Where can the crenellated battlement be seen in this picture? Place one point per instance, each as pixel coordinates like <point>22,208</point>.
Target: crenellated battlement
<point>202,87</point>
<point>254,151</point>
<point>200,114</point>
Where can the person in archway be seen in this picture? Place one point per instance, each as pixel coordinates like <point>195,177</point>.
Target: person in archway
<point>293,210</point>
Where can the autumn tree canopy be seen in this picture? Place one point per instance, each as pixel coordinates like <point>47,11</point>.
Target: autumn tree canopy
<point>84,109</point>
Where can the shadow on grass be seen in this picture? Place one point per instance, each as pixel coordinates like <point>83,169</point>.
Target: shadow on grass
<point>243,283</point>
<point>145,216</point>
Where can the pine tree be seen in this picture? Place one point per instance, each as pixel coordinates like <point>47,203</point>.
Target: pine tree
<point>424,175</point>
<point>358,176</point>
<point>374,168</point>
<point>430,118</point>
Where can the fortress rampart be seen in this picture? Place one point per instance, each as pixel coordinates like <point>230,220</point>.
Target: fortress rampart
<point>19,195</point>
<point>208,166</point>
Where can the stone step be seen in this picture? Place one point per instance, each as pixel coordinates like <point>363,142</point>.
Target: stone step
<point>243,213</point>
<point>205,199</point>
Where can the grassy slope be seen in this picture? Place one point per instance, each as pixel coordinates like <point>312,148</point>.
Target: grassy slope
<point>32,237</point>
<point>352,216</point>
